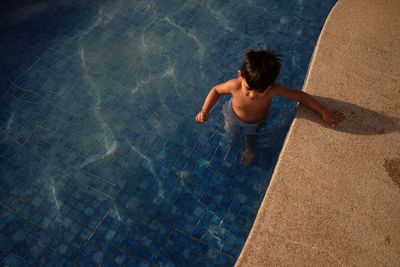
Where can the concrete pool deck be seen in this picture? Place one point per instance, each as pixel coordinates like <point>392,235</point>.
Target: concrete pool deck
<point>334,198</point>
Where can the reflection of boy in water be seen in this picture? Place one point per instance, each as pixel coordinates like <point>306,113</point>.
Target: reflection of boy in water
<point>251,92</point>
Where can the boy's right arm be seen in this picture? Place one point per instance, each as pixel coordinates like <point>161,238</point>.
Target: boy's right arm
<point>212,98</point>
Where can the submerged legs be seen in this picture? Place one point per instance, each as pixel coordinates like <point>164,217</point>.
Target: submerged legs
<point>250,150</point>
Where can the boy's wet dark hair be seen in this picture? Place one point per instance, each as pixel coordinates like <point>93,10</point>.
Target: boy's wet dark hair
<point>260,69</point>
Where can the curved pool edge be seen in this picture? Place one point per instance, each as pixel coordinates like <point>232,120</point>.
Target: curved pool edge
<point>334,197</point>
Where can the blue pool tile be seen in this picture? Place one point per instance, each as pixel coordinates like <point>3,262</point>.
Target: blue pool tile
<point>98,257</point>
<point>32,257</point>
<point>11,260</point>
<point>224,260</point>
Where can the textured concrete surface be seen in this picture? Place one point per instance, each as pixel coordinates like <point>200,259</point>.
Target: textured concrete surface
<point>334,198</point>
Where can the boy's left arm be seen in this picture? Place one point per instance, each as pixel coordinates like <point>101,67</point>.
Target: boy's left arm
<point>330,117</point>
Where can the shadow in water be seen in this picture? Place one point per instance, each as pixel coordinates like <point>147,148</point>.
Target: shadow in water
<point>359,120</point>
<point>28,28</point>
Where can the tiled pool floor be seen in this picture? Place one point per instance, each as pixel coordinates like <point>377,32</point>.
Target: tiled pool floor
<point>101,161</point>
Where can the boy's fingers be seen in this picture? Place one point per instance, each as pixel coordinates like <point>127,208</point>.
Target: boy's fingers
<point>338,113</point>
<point>340,118</point>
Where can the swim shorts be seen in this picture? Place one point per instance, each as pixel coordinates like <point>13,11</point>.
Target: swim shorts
<point>234,126</point>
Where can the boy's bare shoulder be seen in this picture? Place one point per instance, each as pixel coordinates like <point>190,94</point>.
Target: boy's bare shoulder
<point>276,88</point>
<point>233,84</point>
<point>228,87</point>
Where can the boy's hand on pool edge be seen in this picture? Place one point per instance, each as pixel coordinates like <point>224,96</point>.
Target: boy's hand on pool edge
<point>333,118</point>
<point>201,117</point>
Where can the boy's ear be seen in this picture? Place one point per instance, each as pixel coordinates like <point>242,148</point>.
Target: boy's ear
<point>239,74</point>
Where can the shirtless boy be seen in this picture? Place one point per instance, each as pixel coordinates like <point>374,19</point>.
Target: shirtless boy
<point>251,92</point>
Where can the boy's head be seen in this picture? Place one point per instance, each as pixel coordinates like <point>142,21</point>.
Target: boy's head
<point>260,69</point>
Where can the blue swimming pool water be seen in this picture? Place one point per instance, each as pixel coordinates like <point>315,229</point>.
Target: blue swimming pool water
<point>101,161</point>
